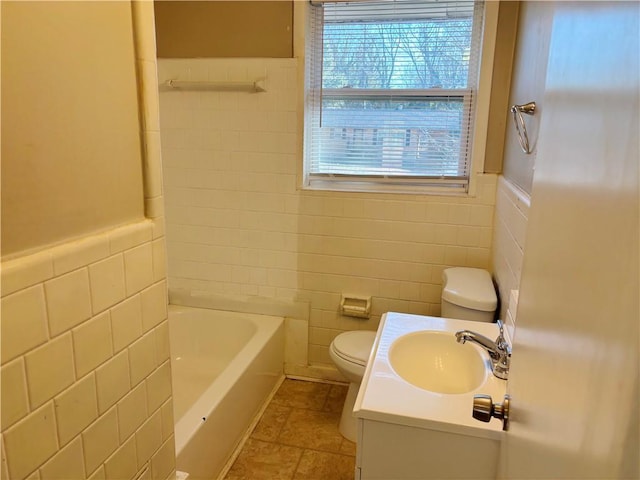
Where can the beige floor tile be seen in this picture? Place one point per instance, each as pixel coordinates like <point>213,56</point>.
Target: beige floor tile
<point>260,460</point>
<point>316,465</point>
<point>348,447</point>
<point>301,394</point>
<point>271,422</point>
<point>335,398</point>
<point>312,429</point>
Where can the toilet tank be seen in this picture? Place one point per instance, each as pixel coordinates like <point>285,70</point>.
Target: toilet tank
<point>468,294</point>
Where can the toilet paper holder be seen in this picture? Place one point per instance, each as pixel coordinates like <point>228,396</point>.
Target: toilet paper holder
<point>355,306</point>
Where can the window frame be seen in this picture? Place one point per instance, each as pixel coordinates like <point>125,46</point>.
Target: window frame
<point>399,183</point>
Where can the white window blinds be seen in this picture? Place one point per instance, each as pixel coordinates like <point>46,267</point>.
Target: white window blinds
<point>390,92</point>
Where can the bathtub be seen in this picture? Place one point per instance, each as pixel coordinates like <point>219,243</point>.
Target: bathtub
<point>224,366</point>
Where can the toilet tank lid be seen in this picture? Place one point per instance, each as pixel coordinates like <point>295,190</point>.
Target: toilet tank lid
<point>469,288</point>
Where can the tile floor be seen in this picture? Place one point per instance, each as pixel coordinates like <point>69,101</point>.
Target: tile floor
<point>297,437</point>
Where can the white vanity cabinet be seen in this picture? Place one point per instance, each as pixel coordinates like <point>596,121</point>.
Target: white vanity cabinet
<point>389,451</point>
<point>409,432</point>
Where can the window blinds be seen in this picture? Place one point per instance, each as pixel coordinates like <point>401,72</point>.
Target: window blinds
<point>390,90</point>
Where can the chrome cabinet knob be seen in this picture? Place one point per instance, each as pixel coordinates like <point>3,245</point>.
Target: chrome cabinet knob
<point>484,409</point>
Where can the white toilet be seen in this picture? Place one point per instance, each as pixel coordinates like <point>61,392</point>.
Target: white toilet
<point>467,294</point>
<point>350,351</point>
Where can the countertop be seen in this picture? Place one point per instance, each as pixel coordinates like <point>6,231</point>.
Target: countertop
<point>384,396</point>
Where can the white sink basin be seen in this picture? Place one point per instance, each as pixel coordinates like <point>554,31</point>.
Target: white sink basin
<point>434,361</point>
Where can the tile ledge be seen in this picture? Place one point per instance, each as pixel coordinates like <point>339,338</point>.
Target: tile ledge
<point>136,232</point>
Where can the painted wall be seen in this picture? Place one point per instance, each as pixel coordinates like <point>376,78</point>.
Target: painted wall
<point>514,187</point>
<point>501,84</point>
<point>67,170</point>
<point>238,226</point>
<point>192,29</point>
<point>527,84</point>
<point>85,372</point>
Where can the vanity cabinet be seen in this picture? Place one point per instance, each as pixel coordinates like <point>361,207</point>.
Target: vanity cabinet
<point>388,451</point>
<point>413,427</point>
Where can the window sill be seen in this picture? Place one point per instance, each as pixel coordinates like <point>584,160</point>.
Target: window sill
<point>415,187</point>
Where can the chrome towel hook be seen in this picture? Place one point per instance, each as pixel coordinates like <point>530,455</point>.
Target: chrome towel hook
<point>521,128</point>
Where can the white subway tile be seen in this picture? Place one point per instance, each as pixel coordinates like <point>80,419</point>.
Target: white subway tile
<point>478,257</point>
<point>159,255</point>
<point>468,236</point>
<point>132,411</point>
<point>455,256</point>
<point>107,282</point>
<point>142,358</point>
<point>130,236</point>
<point>163,351</point>
<point>26,271</point>
<point>154,207</point>
<point>138,263</point>
<point>459,214</point>
<point>75,254</point>
<point>76,408</point>
<point>158,386</point>
<point>68,300</point>
<point>24,322</point>
<point>100,440</point>
<point>149,438</point>
<point>163,461</point>
<point>481,215</point>
<point>122,464</point>
<point>67,464</point>
<point>30,442</point>
<point>98,474</point>
<point>112,380</point>
<point>150,105</point>
<point>13,387</point>
<point>49,369</point>
<point>126,322</point>
<point>446,234</point>
<point>437,212</point>
<point>4,473</point>
<point>167,419</point>
<point>92,343</point>
<point>154,305</point>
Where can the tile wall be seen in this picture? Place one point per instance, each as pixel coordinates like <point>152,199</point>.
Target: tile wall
<point>86,381</point>
<point>239,226</point>
<point>512,210</point>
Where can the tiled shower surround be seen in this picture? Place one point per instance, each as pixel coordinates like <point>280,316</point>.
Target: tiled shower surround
<point>86,381</point>
<point>238,225</point>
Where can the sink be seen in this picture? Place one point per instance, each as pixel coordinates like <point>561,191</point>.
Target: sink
<point>436,362</point>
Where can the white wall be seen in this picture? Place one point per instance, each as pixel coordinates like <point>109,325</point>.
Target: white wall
<point>239,226</point>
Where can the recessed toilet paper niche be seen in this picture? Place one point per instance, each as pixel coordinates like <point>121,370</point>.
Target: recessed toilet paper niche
<point>355,306</point>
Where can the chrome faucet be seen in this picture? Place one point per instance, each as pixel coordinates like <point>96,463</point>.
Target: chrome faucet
<point>499,351</point>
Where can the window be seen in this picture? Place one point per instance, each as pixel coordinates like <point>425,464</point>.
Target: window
<point>390,94</point>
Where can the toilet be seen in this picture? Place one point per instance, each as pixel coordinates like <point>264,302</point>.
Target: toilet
<point>467,294</point>
<point>350,351</point>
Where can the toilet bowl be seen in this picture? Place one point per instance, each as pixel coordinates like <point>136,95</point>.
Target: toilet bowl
<point>468,294</point>
<point>350,352</point>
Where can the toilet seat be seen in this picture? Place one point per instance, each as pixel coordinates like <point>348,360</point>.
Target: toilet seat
<point>354,347</point>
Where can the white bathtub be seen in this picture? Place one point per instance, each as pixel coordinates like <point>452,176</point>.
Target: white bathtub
<point>224,366</point>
